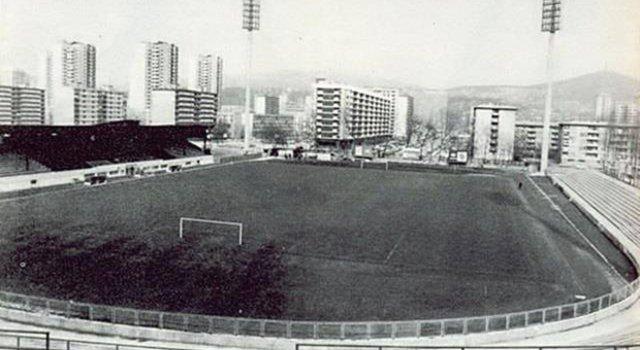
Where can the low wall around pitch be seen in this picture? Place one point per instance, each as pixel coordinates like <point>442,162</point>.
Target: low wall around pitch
<point>79,176</point>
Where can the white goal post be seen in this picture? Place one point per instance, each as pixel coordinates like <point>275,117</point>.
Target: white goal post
<point>215,222</point>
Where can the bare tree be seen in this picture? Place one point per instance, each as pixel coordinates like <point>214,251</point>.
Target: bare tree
<point>423,133</point>
<point>413,124</point>
<point>276,134</point>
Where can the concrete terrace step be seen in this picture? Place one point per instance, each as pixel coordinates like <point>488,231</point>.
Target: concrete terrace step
<point>625,205</point>
<point>619,204</point>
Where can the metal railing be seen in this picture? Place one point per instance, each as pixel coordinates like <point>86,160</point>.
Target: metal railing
<point>20,339</point>
<point>27,340</point>
<point>312,329</point>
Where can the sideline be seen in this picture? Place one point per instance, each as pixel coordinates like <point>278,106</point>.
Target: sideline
<point>564,216</point>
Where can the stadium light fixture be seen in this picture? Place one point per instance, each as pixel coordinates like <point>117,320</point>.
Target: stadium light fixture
<point>250,23</point>
<point>550,24</point>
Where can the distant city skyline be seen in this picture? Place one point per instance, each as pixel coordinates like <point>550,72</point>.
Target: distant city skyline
<point>430,43</point>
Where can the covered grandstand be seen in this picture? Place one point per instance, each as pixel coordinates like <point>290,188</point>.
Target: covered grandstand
<point>27,148</point>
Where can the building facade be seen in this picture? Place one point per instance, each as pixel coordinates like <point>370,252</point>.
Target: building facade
<point>232,115</point>
<point>205,73</point>
<point>89,106</point>
<point>404,112</point>
<point>79,65</point>
<point>266,105</point>
<point>346,113</point>
<point>21,106</point>
<point>393,95</point>
<point>622,153</point>
<point>625,113</point>
<point>604,107</point>
<point>15,77</point>
<point>493,133</point>
<point>155,68</point>
<point>528,140</point>
<point>583,143</point>
<point>183,107</point>
<point>69,66</point>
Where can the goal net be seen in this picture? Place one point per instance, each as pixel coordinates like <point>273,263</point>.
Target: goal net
<point>222,230</point>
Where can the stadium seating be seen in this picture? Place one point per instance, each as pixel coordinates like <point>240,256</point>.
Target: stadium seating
<point>72,147</point>
<point>14,164</point>
<point>617,201</point>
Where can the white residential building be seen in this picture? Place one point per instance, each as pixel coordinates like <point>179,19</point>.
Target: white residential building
<point>70,65</point>
<point>493,133</point>
<point>393,95</point>
<point>347,113</point>
<point>182,107</point>
<point>583,143</point>
<point>404,112</point>
<point>89,106</point>
<point>528,140</point>
<point>266,105</point>
<point>155,68</point>
<point>604,107</point>
<point>21,105</point>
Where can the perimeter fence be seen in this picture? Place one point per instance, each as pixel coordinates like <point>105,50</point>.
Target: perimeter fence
<point>312,329</point>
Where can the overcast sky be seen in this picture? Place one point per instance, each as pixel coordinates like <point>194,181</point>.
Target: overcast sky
<point>433,43</point>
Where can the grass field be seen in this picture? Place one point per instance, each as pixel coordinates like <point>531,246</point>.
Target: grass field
<point>361,244</point>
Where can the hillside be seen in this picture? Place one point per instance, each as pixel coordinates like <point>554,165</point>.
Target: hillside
<point>573,98</point>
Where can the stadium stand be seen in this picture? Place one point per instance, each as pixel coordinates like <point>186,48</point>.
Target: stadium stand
<point>615,200</point>
<point>76,147</point>
<point>12,163</point>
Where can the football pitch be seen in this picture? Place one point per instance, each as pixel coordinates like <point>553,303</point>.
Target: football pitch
<point>360,244</point>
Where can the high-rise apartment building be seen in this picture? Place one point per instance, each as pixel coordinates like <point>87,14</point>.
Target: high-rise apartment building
<point>219,69</point>
<point>204,73</point>
<point>69,66</point>
<point>347,113</point>
<point>21,105</point>
<point>183,107</point>
<point>392,95</point>
<point>604,107</point>
<point>155,68</point>
<point>78,65</point>
<point>493,133</point>
<point>404,112</point>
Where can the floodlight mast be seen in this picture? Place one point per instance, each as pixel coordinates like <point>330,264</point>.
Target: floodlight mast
<point>550,24</point>
<point>250,23</point>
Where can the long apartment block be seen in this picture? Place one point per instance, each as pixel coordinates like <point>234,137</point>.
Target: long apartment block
<point>183,107</point>
<point>21,106</point>
<point>347,113</point>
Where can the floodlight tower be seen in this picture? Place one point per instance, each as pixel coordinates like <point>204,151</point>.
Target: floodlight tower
<point>250,23</point>
<point>550,24</point>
